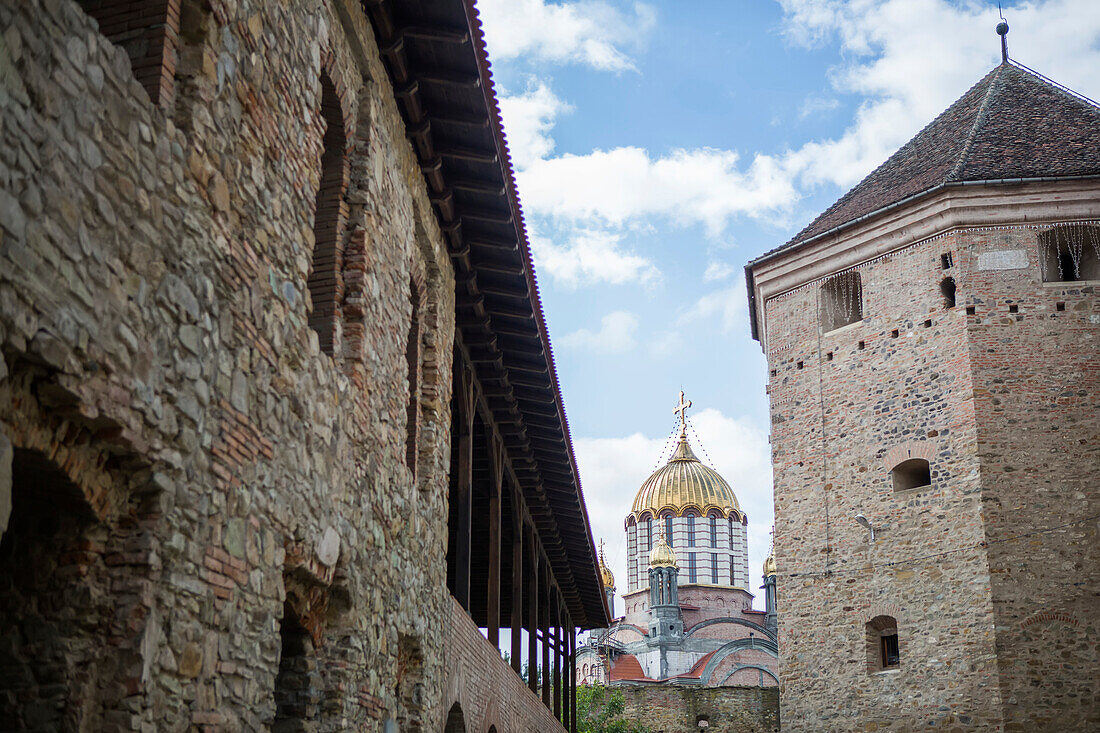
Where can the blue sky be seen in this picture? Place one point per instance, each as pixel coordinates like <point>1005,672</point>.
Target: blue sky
<point>661,145</point>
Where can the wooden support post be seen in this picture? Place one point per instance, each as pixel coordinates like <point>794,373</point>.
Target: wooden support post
<point>544,618</point>
<point>572,678</point>
<point>533,616</point>
<point>464,401</point>
<point>555,624</point>
<point>516,618</point>
<point>496,459</point>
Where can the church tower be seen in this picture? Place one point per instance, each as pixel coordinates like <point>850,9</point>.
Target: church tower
<point>698,513</point>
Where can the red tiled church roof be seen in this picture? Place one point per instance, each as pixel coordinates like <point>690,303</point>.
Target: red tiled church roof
<point>627,667</point>
<point>1012,124</point>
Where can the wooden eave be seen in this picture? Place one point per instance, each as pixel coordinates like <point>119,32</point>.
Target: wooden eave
<point>434,52</point>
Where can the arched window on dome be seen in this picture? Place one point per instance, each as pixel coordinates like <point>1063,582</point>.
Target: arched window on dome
<point>714,535</point>
<point>668,529</point>
<point>648,534</point>
<point>691,529</point>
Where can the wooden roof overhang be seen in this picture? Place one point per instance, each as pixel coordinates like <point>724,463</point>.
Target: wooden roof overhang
<point>435,54</point>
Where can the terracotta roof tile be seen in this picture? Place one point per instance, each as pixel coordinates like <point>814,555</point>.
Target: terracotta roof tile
<point>1011,124</point>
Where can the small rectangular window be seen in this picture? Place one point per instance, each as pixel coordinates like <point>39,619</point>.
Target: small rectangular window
<point>693,571</point>
<point>714,568</point>
<point>829,356</point>
<point>971,310</point>
<point>946,261</point>
<point>1060,306</point>
<point>895,333</point>
<point>890,655</point>
<point>714,531</point>
<point>733,564</point>
<point>1013,309</point>
<point>862,345</point>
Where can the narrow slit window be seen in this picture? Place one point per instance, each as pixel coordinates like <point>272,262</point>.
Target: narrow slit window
<point>325,286</point>
<point>412,357</point>
<point>947,290</point>
<point>841,301</point>
<point>691,530</point>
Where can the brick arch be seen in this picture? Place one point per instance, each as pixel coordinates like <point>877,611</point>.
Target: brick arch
<point>76,550</point>
<point>882,608</point>
<point>922,449</point>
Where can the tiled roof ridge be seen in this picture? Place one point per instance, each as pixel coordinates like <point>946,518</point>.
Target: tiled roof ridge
<point>979,119</point>
<point>1062,89</point>
<point>995,90</point>
<point>857,188</point>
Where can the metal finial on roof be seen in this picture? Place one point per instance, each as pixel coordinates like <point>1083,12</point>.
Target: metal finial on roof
<point>1002,31</point>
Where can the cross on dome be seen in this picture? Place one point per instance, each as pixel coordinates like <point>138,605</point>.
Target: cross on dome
<point>682,408</point>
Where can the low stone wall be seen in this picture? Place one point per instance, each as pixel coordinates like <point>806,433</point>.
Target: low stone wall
<point>680,709</point>
<point>483,686</point>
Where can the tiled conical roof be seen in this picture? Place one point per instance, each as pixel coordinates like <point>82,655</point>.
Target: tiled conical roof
<point>1012,124</point>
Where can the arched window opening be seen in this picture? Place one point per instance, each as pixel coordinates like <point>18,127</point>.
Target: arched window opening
<point>146,31</point>
<point>714,568</point>
<point>841,301</point>
<point>51,574</point>
<point>412,358</point>
<point>325,283</point>
<point>693,570</point>
<point>668,529</point>
<point>911,474</point>
<point>947,290</point>
<point>648,534</point>
<point>192,86</point>
<point>713,531</point>
<point>297,696</point>
<point>456,722</point>
<point>691,530</point>
<point>1070,252</point>
<point>883,648</point>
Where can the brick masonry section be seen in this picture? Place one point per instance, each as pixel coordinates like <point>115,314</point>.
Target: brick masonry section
<point>483,685</point>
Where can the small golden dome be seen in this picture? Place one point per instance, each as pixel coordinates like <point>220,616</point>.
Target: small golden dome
<point>769,565</point>
<point>685,482</point>
<point>662,556</point>
<point>606,575</point>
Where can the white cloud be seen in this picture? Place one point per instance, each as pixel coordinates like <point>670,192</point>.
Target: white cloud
<point>613,469</point>
<point>616,334</point>
<point>813,105</point>
<point>590,256</point>
<point>910,59</point>
<point>590,33</point>
<point>718,271</point>
<point>528,121</point>
<point>619,186</point>
<point>728,306</point>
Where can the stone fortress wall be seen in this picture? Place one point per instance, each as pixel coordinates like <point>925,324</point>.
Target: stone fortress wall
<point>995,615</point>
<point>200,482</point>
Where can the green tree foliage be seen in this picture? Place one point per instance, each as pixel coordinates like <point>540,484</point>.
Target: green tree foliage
<point>600,710</point>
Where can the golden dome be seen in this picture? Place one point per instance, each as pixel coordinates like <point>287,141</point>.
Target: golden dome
<point>662,556</point>
<point>606,575</point>
<point>769,565</point>
<point>685,482</point>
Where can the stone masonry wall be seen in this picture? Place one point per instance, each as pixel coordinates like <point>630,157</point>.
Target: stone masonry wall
<point>216,470</point>
<point>679,709</point>
<point>842,404</point>
<point>996,631</point>
<point>1037,404</point>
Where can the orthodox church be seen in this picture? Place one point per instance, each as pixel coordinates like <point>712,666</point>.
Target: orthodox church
<point>687,614</point>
